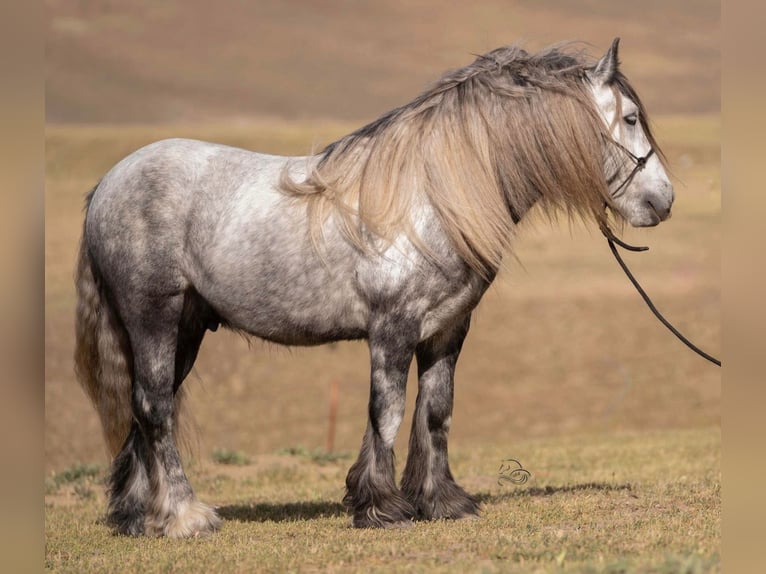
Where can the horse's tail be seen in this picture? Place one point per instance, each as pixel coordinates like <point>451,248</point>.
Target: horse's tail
<point>103,358</point>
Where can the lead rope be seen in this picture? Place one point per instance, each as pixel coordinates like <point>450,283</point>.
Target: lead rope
<point>611,239</point>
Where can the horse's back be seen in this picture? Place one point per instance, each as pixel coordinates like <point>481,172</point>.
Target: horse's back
<point>161,200</point>
<point>173,173</point>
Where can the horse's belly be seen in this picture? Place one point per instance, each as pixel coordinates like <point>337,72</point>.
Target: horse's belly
<point>308,325</point>
<point>287,313</point>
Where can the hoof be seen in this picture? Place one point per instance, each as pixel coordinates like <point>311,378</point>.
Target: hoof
<point>373,520</point>
<point>125,524</point>
<point>398,515</point>
<point>450,503</point>
<point>192,519</point>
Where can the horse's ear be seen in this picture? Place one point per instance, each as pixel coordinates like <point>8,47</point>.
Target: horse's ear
<point>606,67</point>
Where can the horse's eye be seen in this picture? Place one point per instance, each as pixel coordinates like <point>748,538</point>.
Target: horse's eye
<point>631,119</point>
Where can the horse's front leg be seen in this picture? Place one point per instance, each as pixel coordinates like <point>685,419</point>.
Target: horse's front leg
<point>427,482</point>
<point>371,492</point>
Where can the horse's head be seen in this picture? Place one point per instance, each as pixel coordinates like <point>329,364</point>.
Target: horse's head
<point>640,188</point>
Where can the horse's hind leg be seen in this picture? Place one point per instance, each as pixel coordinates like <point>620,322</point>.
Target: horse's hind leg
<point>427,481</point>
<point>170,509</point>
<point>129,488</point>
<point>129,485</point>
<point>371,491</point>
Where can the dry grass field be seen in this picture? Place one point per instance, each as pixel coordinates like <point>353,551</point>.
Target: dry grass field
<point>630,502</point>
<point>564,368</point>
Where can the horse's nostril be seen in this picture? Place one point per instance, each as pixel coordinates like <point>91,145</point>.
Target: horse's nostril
<point>662,210</point>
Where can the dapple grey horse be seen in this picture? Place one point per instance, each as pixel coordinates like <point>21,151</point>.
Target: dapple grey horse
<point>391,234</point>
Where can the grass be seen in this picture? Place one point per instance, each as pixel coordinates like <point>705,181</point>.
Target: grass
<point>647,502</point>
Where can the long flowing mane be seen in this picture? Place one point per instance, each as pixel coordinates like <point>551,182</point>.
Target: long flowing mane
<point>480,147</point>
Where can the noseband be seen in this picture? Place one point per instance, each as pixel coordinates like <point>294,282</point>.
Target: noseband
<point>639,161</point>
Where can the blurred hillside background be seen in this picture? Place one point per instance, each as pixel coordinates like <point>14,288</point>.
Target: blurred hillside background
<point>560,345</point>
<point>143,61</point>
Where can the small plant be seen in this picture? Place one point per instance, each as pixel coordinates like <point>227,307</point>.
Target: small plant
<point>316,455</point>
<point>84,492</point>
<point>232,457</point>
<point>76,473</point>
<point>294,451</point>
<point>321,456</point>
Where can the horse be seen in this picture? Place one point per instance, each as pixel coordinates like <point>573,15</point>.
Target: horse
<point>391,234</point>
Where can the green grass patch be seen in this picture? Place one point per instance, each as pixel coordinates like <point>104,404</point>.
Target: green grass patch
<point>233,457</point>
<point>315,455</point>
<point>74,474</point>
